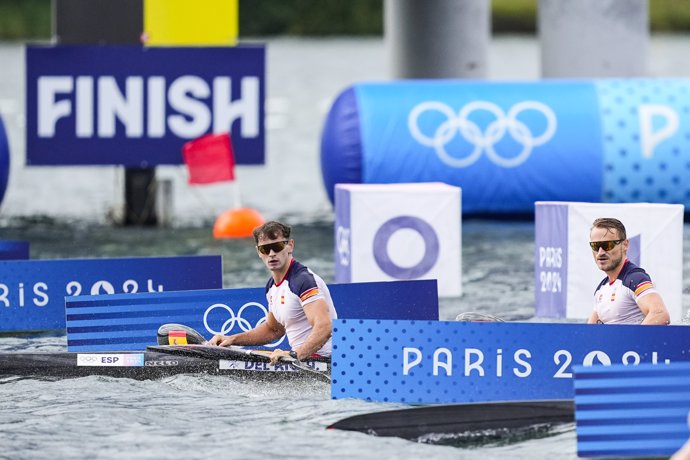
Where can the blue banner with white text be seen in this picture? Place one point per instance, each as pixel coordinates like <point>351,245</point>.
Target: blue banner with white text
<point>130,322</point>
<point>434,362</point>
<point>136,106</point>
<point>32,292</point>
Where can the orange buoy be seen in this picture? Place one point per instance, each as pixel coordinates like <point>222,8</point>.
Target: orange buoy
<point>237,223</point>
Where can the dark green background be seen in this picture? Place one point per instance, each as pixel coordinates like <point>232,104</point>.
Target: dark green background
<point>31,19</point>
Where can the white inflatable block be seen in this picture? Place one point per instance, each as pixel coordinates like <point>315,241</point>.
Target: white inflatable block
<point>387,232</point>
<point>564,268</point>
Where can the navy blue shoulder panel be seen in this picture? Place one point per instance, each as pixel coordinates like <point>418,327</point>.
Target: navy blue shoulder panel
<point>632,276</point>
<point>299,279</point>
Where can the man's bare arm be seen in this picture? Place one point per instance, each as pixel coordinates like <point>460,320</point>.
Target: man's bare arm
<point>322,327</point>
<point>652,306</point>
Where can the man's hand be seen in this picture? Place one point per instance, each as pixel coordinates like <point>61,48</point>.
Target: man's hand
<point>222,340</point>
<point>277,354</point>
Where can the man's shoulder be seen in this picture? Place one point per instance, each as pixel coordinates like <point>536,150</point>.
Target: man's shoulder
<point>632,275</point>
<point>298,269</point>
<point>301,279</point>
<point>630,269</point>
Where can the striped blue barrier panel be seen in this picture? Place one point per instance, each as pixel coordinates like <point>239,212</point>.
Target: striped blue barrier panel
<point>632,411</point>
<point>130,322</point>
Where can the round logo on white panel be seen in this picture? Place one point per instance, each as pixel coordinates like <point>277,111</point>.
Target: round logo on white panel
<point>388,229</point>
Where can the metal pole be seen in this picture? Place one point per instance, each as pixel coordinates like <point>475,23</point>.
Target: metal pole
<point>437,38</point>
<point>593,38</point>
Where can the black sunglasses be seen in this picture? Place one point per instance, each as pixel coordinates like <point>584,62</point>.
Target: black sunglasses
<point>275,247</point>
<point>607,245</point>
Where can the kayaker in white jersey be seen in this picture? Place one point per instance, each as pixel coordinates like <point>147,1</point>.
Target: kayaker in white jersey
<point>299,303</point>
<point>626,295</point>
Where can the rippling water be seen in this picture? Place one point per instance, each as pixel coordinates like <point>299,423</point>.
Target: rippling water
<point>200,416</point>
<point>64,212</point>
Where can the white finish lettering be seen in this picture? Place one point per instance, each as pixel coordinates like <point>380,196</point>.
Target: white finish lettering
<point>84,104</point>
<point>226,111</point>
<point>198,117</point>
<point>155,118</point>
<point>128,109</point>
<point>49,109</point>
<point>96,105</point>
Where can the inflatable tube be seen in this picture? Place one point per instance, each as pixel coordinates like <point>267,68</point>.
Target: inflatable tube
<point>509,144</point>
<point>341,144</point>
<point>4,161</point>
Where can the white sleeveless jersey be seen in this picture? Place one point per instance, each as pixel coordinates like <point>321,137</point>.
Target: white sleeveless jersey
<point>286,300</point>
<point>616,303</point>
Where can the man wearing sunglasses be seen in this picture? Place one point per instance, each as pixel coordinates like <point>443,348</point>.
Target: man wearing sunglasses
<point>626,295</point>
<point>299,303</point>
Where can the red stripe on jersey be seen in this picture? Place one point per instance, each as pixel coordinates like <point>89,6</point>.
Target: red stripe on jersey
<point>308,294</point>
<point>643,287</point>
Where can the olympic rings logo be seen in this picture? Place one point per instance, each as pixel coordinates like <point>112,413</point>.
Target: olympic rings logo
<point>483,141</point>
<point>237,319</point>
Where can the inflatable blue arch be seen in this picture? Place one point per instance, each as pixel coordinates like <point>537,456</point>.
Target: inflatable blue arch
<point>509,144</point>
<point>4,161</point>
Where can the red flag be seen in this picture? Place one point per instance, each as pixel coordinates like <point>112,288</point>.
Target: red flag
<point>209,159</point>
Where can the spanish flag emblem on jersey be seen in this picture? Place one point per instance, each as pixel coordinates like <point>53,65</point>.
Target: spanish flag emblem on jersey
<point>309,294</point>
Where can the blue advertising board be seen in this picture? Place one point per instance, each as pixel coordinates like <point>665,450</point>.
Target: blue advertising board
<point>136,106</point>
<point>32,292</point>
<point>452,362</point>
<point>130,322</point>
<point>14,249</point>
